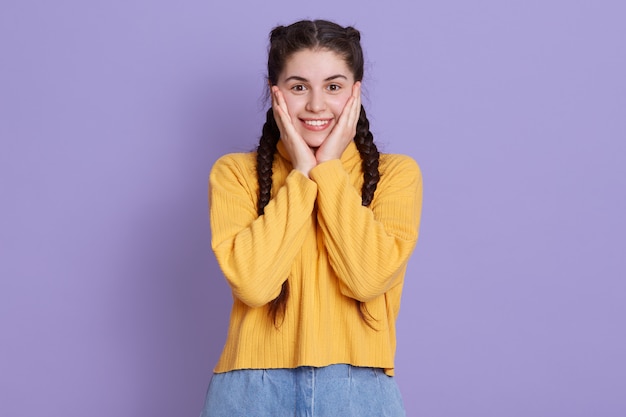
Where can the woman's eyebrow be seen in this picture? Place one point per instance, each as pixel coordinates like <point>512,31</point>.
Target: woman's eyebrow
<point>334,77</point>
<point>296,78</point>
<point>302,79</point>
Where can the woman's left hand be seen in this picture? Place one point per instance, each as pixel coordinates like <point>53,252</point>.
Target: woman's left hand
<point>345,129</point>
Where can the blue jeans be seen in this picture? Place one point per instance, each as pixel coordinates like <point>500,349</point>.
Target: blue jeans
<point>331,391</point>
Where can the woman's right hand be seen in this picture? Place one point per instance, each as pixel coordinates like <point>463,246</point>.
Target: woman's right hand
<point>302,157</point>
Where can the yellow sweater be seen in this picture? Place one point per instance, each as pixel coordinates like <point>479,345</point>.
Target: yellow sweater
<point>316,234</point>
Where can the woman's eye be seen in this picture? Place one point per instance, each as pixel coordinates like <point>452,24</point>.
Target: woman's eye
<point>298,87</point>
<point>334,87</point>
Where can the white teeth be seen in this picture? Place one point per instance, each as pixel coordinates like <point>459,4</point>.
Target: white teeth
<point>316,122</point>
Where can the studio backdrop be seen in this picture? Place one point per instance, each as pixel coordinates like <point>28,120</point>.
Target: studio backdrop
<point>113,112</point>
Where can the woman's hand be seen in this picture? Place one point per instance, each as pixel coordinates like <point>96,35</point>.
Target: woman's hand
<point>302,157</point>
<point>345,129</point>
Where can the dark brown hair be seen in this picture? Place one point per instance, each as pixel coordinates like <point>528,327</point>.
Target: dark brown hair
<point>284,42</point>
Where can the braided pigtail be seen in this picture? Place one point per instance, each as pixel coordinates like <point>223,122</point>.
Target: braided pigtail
<point>264,161</point>
<point>364,141</point>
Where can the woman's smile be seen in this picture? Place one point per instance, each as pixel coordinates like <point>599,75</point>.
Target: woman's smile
<point>316,125</point>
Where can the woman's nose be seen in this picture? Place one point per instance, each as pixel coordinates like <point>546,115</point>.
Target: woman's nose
<point>315,102</point>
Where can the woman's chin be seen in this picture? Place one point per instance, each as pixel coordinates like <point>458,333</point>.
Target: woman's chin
<point>315,141</point>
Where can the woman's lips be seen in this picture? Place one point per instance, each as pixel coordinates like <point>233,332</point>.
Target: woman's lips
<point>316,125</point>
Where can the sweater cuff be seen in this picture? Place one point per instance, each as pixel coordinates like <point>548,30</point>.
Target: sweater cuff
<point>307,186</point>
<point>327,173</point>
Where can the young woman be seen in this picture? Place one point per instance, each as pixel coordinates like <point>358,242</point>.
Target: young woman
<point>313,232</point>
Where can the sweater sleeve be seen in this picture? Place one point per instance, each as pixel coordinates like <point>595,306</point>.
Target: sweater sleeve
<point>369,247</point>
<point>256,252</point>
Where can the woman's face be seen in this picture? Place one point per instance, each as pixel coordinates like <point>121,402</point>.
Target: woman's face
<point>316,85</point>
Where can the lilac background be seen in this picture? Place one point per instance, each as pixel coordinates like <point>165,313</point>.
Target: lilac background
<point>111,114</point>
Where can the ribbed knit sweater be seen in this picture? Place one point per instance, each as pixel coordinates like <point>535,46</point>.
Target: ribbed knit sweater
<point>333,251</point>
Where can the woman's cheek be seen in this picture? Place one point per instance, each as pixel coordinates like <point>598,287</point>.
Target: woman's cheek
<point>340,103</point>
<point>292,105</point>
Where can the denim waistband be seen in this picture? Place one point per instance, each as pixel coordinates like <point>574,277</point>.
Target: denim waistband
<point>334,390</point>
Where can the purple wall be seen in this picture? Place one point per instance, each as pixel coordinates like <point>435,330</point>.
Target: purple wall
<point>111,114</point>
